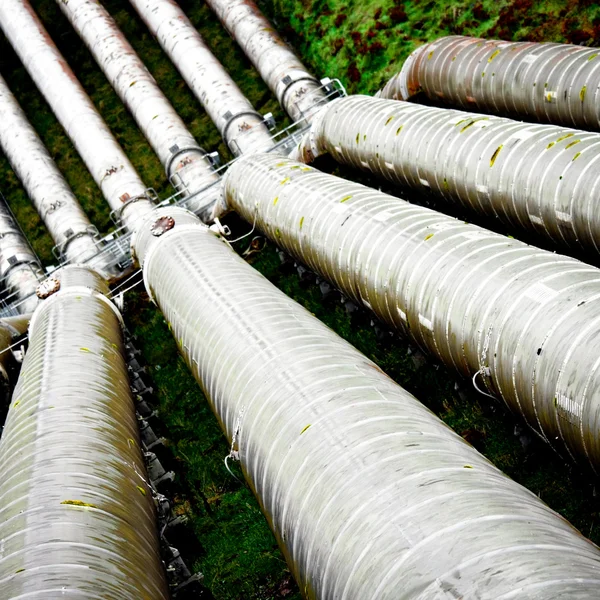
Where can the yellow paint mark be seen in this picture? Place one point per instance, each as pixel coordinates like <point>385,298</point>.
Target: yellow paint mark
<point>430,55</point>
<point>576,156</point>
<point>284,181</point>
<point>495,155</point>
<point>132,83</point>
<point>550,145</point>
<point>572,144</point>
<point>277,233</point>
<point>469,124</point>
<point>365,137</point>
<point>305,429</point>
<point>357,138</point>
<point>389,120</point>
<point>78,503</point>
<point>582,93</point>
<point>564,137</point>
<point>445,185</point>
<point>593,56</point>
<point>549,97</point>
<point>453,58</point>
<point>131,442</point>
<point>483,74</point>
<point>276,201</point>
<point>142,490</point>
<point>305,168</point>
<point>19,571</point>
<point>281,164</point>
<point>399,129</point>
<point>345,199</point>
<point>493,56</point>
<point>16,404</point>
<point>461,121</point>
<point>468,467</point>
<point>428,237</point>
<point>83,349</point>
<point>301,222</point>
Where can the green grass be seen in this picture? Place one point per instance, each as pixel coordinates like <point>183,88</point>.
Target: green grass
<point>363,42</point>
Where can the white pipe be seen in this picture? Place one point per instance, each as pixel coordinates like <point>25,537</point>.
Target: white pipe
<point>242,128</point>
<point>113,173</point>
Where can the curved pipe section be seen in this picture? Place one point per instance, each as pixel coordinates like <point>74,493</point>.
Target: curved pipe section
<point>242,128</point>
<point>525,321</point>
<point>20,268</point>
<point>547,82</point>
<point>538,177</point>
<point>178,151</point>
<point>76,514</point>
<point>109,166</point>
<point>48,190</point>
<point>369,494</point>
<point>296,90</point>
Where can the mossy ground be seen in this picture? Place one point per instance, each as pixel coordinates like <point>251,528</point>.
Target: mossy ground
<point>362,42</point>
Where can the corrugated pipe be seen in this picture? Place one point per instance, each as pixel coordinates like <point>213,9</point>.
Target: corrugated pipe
<point>76,512</point>
<point>297,91</point>
<point>369,494</point>
<point>523,322</point>
<point>553,83</point>
<point>71,230</point>
<point>20,268</point>
<point>242,128</point>
<point>182,158</point>
<point>538,177</point>
<point>106,161</point>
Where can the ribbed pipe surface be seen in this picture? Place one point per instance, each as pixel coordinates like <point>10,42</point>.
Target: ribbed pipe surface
<point>48,190</point>
<point>547,82</point>
<point>370,495</point>
<point>296,90</point>
<point>242,128</point>
<point>76,514</point>
<point>526,319</point>
<point>174,145</point>
<point>538,177</point>
<point>104,158</point>
<point>20,268</point>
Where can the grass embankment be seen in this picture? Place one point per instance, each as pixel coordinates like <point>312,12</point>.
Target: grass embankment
<point>362,43</point>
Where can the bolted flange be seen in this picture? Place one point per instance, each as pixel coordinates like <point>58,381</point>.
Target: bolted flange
<point>162,225</point>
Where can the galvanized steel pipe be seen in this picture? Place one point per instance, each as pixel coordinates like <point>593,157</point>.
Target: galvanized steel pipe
<point>242,128</point>
<point>113,173</point>
<point>178,151</point>
<point>369,494</point>
<point>20,268</point>
<point>297,91</point>
<point>538,177</point>
<point>76,513</point>
<point>71,230</point>
<point>553,83</point>
<point>525,320</point>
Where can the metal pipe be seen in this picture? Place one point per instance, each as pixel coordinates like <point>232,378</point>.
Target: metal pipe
<point>538,177</point>
<point>20,268</point>
<point>76,513</point>
<point>297,91</point>
<point>75,237</point>
<point>113,173</point>
<point>242,128</point>
<point>369,494</point>
<point>10,329</point>
<point>181,156</point>
<point>524,322</point>
<point>553,83</point>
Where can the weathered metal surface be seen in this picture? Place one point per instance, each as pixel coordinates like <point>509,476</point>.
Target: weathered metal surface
<point>242,128</point>
<point>76,513</point>
<point>174,145</point>
<point>10,328</point>
<point>297,91</point>
<point>48,190</point>
<point>20,268</point>
<point>554,83</point>
<point>538,177</point>
<point>526,320</point>
<point>369,494</point>
<point>109,166</point>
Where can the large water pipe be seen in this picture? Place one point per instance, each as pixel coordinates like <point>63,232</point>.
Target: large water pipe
<point>77,518</point>
<point>299,93</point>
<point>75,238</point>
<point>186,164</point>
<point>538,177</point>
<point>20,268</point>
<point>547,82</point>
<point>109,166</point>
<point>241,127</point>
<point>369,494</point>
<point>523,321</point>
